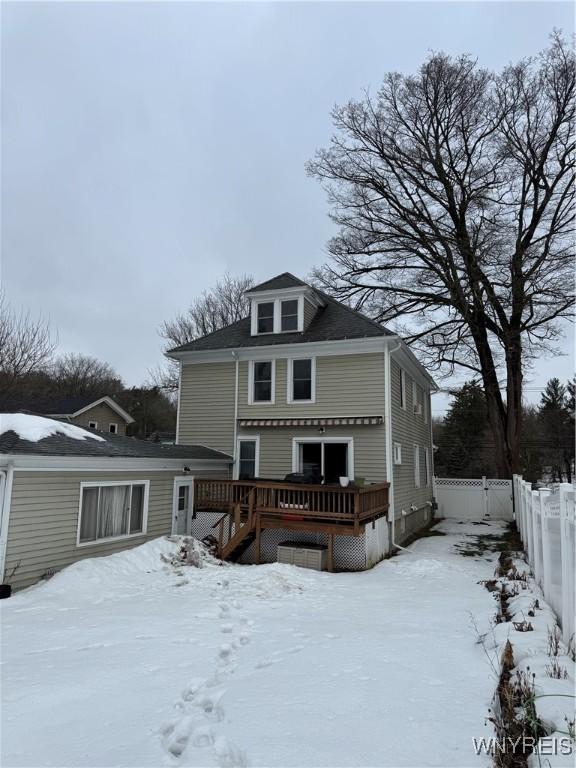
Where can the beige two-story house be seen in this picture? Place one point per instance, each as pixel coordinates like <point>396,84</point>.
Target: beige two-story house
<point>307,390</point>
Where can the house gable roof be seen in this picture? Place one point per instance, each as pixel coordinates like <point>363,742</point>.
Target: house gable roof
<point>332,322</point>
<point>71,406</point>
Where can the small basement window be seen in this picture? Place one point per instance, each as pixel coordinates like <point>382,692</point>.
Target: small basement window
<point>112,511</point>
<point>265,316</point>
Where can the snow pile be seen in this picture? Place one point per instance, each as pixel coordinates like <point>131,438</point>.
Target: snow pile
<point>35,428</point>
<point>539,657</point>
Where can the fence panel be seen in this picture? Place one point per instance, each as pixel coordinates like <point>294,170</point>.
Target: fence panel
<point>546,521</point>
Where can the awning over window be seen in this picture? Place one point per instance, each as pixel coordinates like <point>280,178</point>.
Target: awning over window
<point>321,422</point>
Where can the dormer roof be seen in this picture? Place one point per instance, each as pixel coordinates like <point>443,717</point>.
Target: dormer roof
<point>278,283</point>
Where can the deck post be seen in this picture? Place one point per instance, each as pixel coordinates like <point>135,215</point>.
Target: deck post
<point>258,536</point>
<point>330,557</point>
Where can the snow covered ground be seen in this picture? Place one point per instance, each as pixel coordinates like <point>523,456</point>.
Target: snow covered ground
<point>130,661</point>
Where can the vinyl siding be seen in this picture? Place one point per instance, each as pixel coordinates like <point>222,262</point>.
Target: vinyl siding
<point>276,449</point>
<point>409,429</point>
<point>104,416</point>
<point>309,312</point>
<point>207,405</point>
<point>44,519</point>
<point>346,385</point>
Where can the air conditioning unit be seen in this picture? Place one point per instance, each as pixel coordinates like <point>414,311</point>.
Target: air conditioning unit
<point>303,554</point>
<point>418,409</point>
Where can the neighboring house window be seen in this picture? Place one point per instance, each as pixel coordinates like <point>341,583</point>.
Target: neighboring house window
<point>248,458</point>
<point>426,466</point>
<point>289,315</point>
<point>112,511</point>
<point>397,453</point>
<point>402,388</point>
<point>93,424</point>
<point>265,317</point>
<point>417,466</point>
<point>301,384</point>
<point>416,406</point>
<point>262,381</point>
<point>113,428</point>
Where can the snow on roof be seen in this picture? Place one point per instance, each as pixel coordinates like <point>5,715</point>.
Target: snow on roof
<point>35,428</point>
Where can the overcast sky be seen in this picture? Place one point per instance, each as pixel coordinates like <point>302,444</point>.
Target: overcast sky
<point>147,148</point>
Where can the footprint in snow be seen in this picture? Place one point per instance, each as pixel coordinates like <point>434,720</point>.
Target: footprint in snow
<point>228,754</point>
<point>177,739</point>
<point>226,628</point>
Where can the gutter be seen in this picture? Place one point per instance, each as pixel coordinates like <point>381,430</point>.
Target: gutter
<point>5,504</point>
<point>389,452</point>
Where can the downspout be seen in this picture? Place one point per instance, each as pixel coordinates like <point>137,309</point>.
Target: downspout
<point>178,403</point>
<point>389,452</point>
<point>236,374</point>
<point>8,475</point>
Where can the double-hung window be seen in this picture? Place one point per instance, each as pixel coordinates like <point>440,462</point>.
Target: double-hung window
<point>417,466</point>
<point>263,381</point>
<point>112,511</point>
<point>426,466</point>
<point>265,322</point>
<point>289,315</point>
<point>301,380</point>
<point>402,388</point>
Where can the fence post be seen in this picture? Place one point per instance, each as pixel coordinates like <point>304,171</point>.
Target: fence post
<point>537,537</point>
<point>530,524</point>
<point>567,544</point>
<point>544,493</point>
<point>524,505</point>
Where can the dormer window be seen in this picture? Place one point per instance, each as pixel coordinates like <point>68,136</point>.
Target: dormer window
<point>289,317</point>
<point>265,317</point>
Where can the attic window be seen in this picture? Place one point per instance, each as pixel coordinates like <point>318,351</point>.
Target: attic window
<point>289,320</point>
<point>266,317</point>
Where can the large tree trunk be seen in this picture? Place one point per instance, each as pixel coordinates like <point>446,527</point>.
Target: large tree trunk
<point>514,402</point>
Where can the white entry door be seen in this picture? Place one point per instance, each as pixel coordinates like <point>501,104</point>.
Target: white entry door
<point>183,500</point>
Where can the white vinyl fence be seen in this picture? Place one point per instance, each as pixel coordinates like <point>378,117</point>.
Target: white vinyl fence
<point>476,498</point>
<point>546,520</point>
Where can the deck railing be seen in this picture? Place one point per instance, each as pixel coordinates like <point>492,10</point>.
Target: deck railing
<point>293,502</point>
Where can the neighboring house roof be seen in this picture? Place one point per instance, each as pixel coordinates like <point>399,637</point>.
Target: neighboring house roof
<point>285,280</point>
<point>111,446</point>
<point>63,406</point>
<point>333,321</point>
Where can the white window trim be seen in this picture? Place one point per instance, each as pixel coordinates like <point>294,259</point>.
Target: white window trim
<point>296,441</point>
<point>290,379</point>
<point>92,425</point>
<point>247,438</point>
<point>113,424</point>
<point>105,484</point>
<point>417,481</point>
<point>397,454</point>
<point>402,388</point>
<point>251,400</point>
<point>427,465</point>
<point>425,397</point>
<point>277,323</point>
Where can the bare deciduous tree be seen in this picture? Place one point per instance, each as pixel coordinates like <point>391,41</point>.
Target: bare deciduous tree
<point>76,374</point>
<point>26,346</point>
<point>216,308</point>
<point>454,192</point>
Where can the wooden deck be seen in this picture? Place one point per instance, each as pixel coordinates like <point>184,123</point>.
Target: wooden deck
<point>248,506</point>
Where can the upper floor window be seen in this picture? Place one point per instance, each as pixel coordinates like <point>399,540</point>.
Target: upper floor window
<point>301,384</point>
<point>289,315</point>
<point>265,317</point>
<point>402,388</point>
<point>262,381</point>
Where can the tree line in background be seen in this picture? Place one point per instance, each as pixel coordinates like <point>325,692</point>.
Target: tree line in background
<point>464,446</point>
<point>31,373</point>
